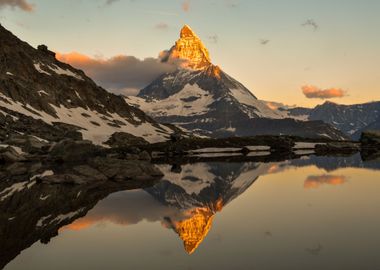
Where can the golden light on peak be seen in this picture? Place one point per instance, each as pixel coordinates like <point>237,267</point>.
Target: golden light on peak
<point>190,48</point>
<point>186,31</point>
<point>193,230</point>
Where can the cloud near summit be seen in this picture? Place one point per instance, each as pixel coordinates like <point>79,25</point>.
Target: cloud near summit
<point>311,91</point>
<point>120,74</point>
<point>22,4</point>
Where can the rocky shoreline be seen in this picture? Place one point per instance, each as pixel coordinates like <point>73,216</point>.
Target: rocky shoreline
<point>128,158</point>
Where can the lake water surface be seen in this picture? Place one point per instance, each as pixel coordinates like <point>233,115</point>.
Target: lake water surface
<point>309,213</point>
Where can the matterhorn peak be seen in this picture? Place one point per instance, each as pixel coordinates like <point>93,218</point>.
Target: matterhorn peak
<point>186,31</point>
<point>190,48</point>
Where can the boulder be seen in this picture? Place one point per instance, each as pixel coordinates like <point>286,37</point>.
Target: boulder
<point>73,151</point>
<point>34,145</point>
<point>43,48</point>
<point>370,139</point>
<point>144,155</point>
<point>90,172</point>
<point>63,179</point>
<point>10,155</point>
<point>122,139</point>
<point>120,170</point>
<point>175,137</point>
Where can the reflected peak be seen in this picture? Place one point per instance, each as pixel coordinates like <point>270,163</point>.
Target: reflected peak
<point>194,229</point>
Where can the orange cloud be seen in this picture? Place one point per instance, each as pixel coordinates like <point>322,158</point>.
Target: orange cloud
<point>73,58</point>
<point>22,4</point>
<point>79,224</point>
<point>186,5</point>
<point>315,181</point>
<point>121,73</point>
<point>311,91</point>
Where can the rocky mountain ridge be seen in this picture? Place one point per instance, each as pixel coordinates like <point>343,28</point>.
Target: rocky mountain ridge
<point>33,83</point>
<point>350,119</point>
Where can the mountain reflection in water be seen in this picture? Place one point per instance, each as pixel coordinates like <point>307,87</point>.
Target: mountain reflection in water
<point>186,201</point>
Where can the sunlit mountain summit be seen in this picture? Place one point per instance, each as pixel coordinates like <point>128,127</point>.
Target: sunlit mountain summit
<point>190,47</point>
<point>199,96</point>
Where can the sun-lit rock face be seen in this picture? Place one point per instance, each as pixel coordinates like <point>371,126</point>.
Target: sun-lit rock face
<point>195,228</point>
<point>191,49</point>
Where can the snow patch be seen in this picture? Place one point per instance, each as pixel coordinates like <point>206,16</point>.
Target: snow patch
<point>216,150</point>
<point>193,178</point>
<point>96,134</point>
<point>191,100</point>
<point>40,139</point>
<point>304,152</point>
<point>262,110</point>
<point>60,71</point>
<point>63,217</point>
<point>16,148</point>
<point>258,154</point>
<point>37,66</point>
<point>42,92</point>
<point>43,198</point>
<point>306,145</point>
<point>45,173</point>
<point>213,155</point>
<point>17,187</point>
<point>257,147</point>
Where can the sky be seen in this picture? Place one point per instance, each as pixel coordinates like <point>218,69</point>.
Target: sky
<point>301,52</point>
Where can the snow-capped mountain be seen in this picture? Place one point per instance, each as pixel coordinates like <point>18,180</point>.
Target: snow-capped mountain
<point>203,184</point>
<point>350,119</point>
<point>37,88</point>
<point>199,96</point>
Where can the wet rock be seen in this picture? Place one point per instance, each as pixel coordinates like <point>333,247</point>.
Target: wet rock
<point>144,155</point>
<point>90,172</point>
<point>370,139</point>
<point>122,139</point>
<point>73,151</point>
<point>63,179</point>
<point>176,168</point>
<point>119,170</point>
<point>34,145</point>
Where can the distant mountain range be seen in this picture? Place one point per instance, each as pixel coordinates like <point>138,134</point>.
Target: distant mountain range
<point>200,97</point>
<point>350,119</point>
